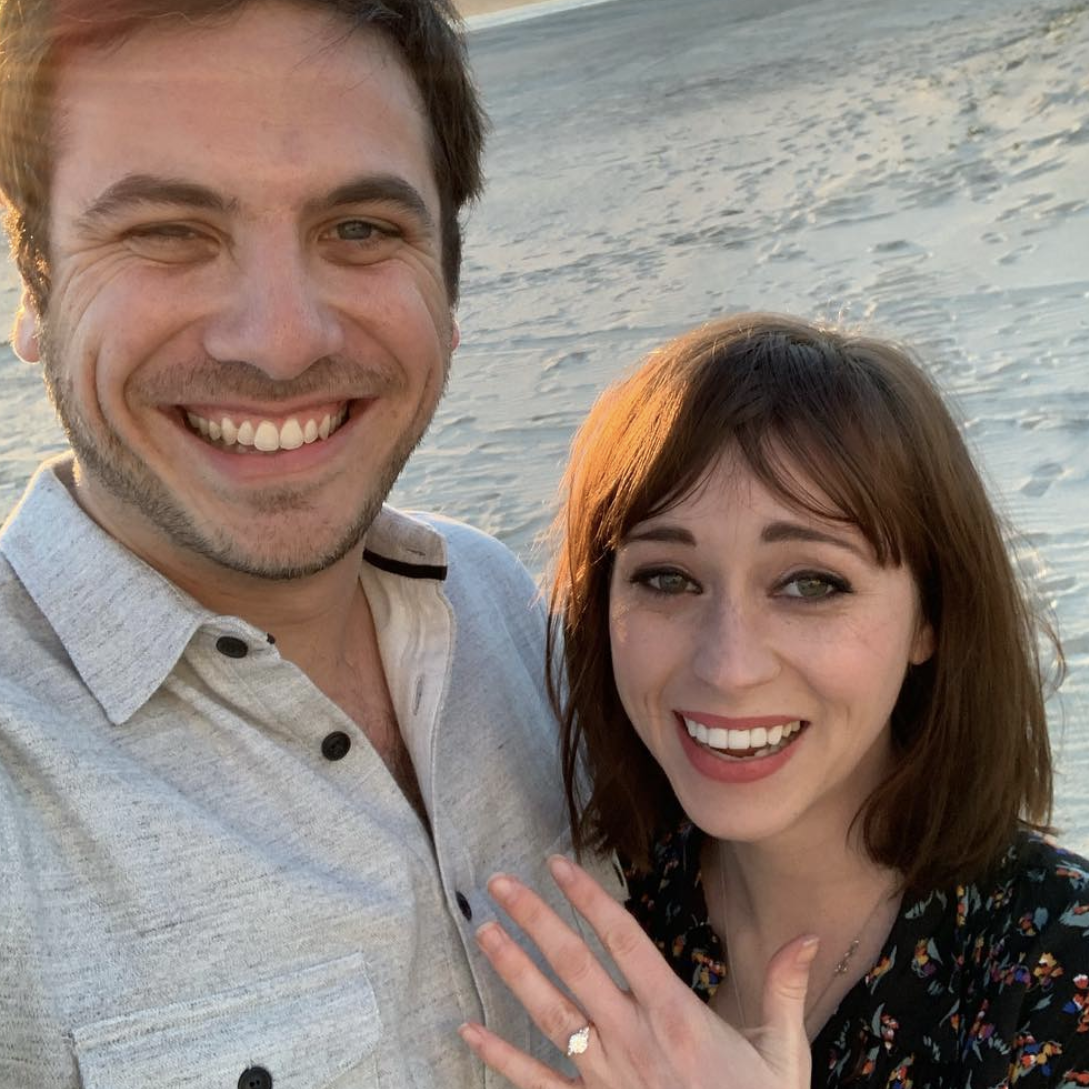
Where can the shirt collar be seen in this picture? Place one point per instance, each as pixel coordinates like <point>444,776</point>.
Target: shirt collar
<point>401,544</point>
<point>124,625</point>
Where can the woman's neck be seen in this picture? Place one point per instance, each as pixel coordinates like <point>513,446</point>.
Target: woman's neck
<point>762,895</point>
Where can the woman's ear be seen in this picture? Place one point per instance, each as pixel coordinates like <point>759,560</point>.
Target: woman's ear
<point>922,648</point>
<point>26,333</point>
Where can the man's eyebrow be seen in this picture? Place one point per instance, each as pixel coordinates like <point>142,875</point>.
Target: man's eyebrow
<point>775,532</point>
<point>136,189</point>
<point>376,189</point>
<point>148,189</point>
<point>666,534</point>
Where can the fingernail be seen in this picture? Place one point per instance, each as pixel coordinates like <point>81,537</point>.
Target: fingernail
<point>501,887</point>
<point>808,951</point>
<point>470,1034</point>
<point>562,870</point>
<point>490,937</point>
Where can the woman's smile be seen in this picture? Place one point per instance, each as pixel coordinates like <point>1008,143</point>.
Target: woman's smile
<point>758,651</point>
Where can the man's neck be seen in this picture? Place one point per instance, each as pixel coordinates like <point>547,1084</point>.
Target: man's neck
<point>314,619</point>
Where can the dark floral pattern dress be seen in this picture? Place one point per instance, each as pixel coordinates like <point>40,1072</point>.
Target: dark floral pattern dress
<point>977,987</point>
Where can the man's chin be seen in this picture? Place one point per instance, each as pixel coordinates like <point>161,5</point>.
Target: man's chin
<point>293,548</point>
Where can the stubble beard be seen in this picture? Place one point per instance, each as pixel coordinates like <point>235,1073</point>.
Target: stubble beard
<point>116,470</point>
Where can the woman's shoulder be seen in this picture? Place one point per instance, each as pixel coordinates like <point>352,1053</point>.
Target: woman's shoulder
<point>1038,888</point>
<point>979,983</point>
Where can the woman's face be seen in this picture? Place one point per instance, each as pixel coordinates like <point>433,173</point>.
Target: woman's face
<point>759,652</point>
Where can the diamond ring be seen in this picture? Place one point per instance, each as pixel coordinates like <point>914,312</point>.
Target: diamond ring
<point>578,1042</point>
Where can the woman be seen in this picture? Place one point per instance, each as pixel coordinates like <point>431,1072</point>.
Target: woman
<point>806,691</point>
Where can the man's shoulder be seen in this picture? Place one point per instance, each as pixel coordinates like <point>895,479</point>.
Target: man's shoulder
<point>31,655</point>
<point>22,625</point>
<point>467,542</point>
<point>476,559</point>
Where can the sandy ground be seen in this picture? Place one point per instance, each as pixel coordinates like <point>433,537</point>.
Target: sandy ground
<point>919,169</point>
<point>469,8</point>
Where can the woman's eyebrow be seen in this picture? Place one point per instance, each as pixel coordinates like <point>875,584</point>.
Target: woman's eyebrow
<point>775,532</point>
<point>663,533</point>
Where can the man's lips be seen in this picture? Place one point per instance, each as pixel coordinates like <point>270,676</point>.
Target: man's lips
<point>242,430</point>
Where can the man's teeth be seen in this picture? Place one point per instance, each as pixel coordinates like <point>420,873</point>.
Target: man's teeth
<point>265,435</point>
<point>759,737</point>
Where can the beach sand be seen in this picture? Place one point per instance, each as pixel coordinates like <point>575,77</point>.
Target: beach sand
<point>919,169</point>
<point>469,8</point>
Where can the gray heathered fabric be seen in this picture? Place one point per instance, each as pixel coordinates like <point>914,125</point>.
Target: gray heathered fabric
<point>189,886</point>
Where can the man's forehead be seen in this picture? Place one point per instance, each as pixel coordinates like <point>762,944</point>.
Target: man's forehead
<point>278,85</point>
<point>258,36</point>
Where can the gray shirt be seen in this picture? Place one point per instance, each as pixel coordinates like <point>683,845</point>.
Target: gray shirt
<point>198,879</point>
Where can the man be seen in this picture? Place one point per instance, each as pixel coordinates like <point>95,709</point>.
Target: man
<point>262,741</point>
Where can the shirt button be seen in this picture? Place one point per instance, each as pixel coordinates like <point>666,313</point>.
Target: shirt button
<point>335,746</point>
<point>230,647</point>
<point>463,903</point>
<point>256,1077</point>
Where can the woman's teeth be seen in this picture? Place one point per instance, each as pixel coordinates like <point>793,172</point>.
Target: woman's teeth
<point>758,741</point>
<point>264,435</point>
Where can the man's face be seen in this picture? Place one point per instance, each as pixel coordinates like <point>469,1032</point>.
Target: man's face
<point>248,330</point>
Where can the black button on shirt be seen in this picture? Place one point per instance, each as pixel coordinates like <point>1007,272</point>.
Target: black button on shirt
<point>463,903</point>
<point>256,1077</point>
<point>231,647</point>
<point>335,746</point>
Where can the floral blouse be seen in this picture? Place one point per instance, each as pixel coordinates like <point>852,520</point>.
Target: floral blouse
<point>977,987</point>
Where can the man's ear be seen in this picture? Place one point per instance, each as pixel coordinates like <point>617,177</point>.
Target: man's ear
<point>26,333</point>
<point>455,333</point>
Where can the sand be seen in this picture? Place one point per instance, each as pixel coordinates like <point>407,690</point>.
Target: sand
<point>469,8</point>
<point>916,168</point>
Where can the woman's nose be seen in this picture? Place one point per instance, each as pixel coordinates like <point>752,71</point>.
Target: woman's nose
<point>734,649</point>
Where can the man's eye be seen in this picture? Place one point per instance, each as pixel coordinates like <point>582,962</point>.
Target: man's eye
<point>813,586</point>
<point>359,230</point>
<point>171,242</point>
<point>165,231</point>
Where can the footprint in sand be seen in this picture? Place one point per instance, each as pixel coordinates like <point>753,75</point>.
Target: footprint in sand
<point>1015,255</point>
<point>1043,476</point>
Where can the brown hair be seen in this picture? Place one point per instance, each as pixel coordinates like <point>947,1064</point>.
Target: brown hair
<point>861,417</point>
<point>35,33</point>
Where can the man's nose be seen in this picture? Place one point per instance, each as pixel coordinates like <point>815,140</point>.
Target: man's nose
<point>735,650</point>
<point>276,316</point>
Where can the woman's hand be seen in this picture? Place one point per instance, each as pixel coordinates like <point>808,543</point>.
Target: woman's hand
<point>657,1035</point>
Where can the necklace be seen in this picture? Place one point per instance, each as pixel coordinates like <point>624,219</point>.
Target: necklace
<point>841,968</point>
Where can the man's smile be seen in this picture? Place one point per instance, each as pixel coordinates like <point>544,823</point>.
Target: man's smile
<point>244,431</point>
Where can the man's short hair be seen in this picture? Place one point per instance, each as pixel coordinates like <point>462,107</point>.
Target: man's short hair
<point>35,34</point>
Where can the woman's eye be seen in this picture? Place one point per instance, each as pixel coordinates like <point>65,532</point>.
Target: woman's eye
<point>666,582</point>
<point>812,586</point>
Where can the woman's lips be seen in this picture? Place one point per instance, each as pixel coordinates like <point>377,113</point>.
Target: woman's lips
<point>742,764</point>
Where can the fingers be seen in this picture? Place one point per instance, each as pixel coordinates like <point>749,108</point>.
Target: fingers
<point>551,1010</point>
<point>783,1042</point>
<point>505,1059</point>
<point>646,971</point>
<point>570,957</point>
